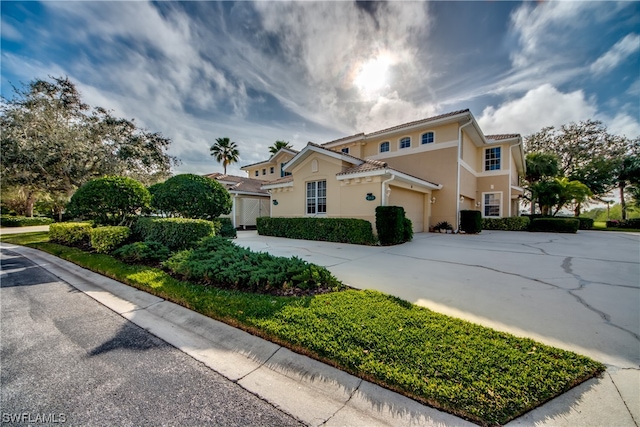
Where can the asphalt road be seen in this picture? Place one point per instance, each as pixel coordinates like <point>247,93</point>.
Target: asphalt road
<point>66,358</point>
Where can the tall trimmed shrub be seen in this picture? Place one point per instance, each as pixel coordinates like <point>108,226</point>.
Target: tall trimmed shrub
<point>70,233</point>
<point>108,238</point>
<point>111,200</point>
<point>391,225</point>
<point>471,221</point>
<point>191,196</point>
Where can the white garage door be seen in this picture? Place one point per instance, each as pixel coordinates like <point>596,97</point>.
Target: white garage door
<point>413,204</point>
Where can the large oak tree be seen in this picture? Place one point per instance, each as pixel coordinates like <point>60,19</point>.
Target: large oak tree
<point>52,142</point>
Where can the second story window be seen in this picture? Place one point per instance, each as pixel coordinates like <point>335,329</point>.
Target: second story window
<point>264,171</point>
<point>427,138</point>
<point>271,169</point>
<point>345,150</point>
<point>257,173</point>
<point>282,172</point>
<point>384,147</point>
<point>405,142</point>
<point>492,159</point>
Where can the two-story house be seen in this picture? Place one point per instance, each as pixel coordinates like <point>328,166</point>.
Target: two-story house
<point>433,168</point>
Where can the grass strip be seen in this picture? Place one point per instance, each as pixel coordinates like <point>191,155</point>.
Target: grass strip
<point>480,374</point>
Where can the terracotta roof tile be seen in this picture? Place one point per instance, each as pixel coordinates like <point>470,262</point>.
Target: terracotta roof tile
<point>238,183</point>
<point>499,137</point>
<point>368,165</point>
<point>282,180</point>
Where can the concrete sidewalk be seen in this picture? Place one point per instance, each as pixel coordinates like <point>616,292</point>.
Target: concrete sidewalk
<point>315,393</point>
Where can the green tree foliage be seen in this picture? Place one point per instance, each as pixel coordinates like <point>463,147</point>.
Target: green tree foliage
<point>540,167</point>
<point>112,200</point>
<point>279,145</point>
<point>191,196</point>
<point>587,153</point>
<point>52,143</point>
<point>225,152</point>
<point>628,174</point>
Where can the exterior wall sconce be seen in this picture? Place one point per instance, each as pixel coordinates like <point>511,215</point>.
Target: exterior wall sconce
<point>370,197</point>
<point>275,202</point>
<point>461,199</point>
<point>433,200</point>
<point>477,204</point>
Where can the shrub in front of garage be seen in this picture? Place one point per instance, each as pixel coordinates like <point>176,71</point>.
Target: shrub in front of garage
<point>392,225</point>
<point>470,221</point>
<point>339,230</point>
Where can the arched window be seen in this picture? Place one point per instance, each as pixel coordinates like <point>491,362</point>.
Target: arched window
<point>427,138</point>
<point>405,142</point>
<point>384,147</point>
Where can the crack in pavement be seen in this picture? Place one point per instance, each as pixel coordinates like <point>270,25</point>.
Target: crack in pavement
<point>581,284</point>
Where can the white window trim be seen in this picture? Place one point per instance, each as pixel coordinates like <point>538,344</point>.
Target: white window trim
<point>306,198</point>
<point>484,160</point>
<point>424,133</point>
<point>380,147</point>
<point>500,206</point>
<point>400,143</point>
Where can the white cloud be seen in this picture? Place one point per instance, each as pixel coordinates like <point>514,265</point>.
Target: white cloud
<point>620,51</point>
<point>540,107</point>
<point>623,124</point>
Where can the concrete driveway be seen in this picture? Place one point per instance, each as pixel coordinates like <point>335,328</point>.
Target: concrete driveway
<point>580,292</point>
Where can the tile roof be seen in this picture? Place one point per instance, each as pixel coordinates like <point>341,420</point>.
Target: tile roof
<point>368,165</point>
<point>239,183</point>
<point>282,180</point>
<point>501,136</point>
<point>269,159</point>
<point>357,159</point>
<point>419,122</point>
<point>361,135</point>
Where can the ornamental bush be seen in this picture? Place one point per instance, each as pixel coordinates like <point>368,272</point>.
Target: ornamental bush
<point>555,225</point>
<point>112,200</point>
<point>391,225</point>
<point>225,228</point>
<point>175,233</point>
<point>142,252</point>
<point>340,230</point>
<point>23,221</point>
<point>629,223</point>
<point>70,233</point>
<point>471,221</point>
<point>512,223</point>
<point>218,261</point>
<point>191,196</point>
<point>108,238</point>
<point>585,223</point>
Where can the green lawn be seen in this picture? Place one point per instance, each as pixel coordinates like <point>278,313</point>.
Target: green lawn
<point>480,374</point>
<point>602,226</point>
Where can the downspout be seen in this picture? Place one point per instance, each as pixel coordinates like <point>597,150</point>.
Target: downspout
<point>458,172</point>
<point>233,210</point>
<point>511,155</point>
<point>384,193</point>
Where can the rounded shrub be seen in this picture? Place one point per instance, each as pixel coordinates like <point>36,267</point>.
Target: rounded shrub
<point>111,200</point>
<point>191,196</point>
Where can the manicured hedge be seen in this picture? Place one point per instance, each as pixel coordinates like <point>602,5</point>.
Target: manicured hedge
<point>629,223</point>
<point>392,225</point>
<point>341,230</point>
<point>471,221</point>
<point>555,225</point>
<point>108,238</point>
<point>175,233</point>
<point>70,233</point>
<point>512,223</point>
<point>585,223</point>
<point>23,221</point>
<point>225,228</point>
<point>218,261</point>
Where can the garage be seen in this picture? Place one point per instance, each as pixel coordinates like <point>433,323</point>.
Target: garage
<point>413,203</point>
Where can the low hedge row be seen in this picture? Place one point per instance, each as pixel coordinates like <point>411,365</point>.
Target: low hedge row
<point>70,233</point>
<point>175,233</point>
<point>628,223</point>
<point>106,239</point>
<point>513,223</point>
<point>23,221</point>
<point>341,230</point>
<point>142,252</point>
<point>218,261</point>
<point>555,225</point>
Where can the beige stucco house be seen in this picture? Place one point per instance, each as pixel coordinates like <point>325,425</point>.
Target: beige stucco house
<point>249,200</point>
<point>433,168</point>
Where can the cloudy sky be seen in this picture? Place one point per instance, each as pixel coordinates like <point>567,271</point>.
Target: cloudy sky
<point>257,72</point>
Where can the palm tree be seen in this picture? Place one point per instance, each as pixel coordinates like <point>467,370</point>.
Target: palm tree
<point>279,145</point>
<point>225,151</point>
